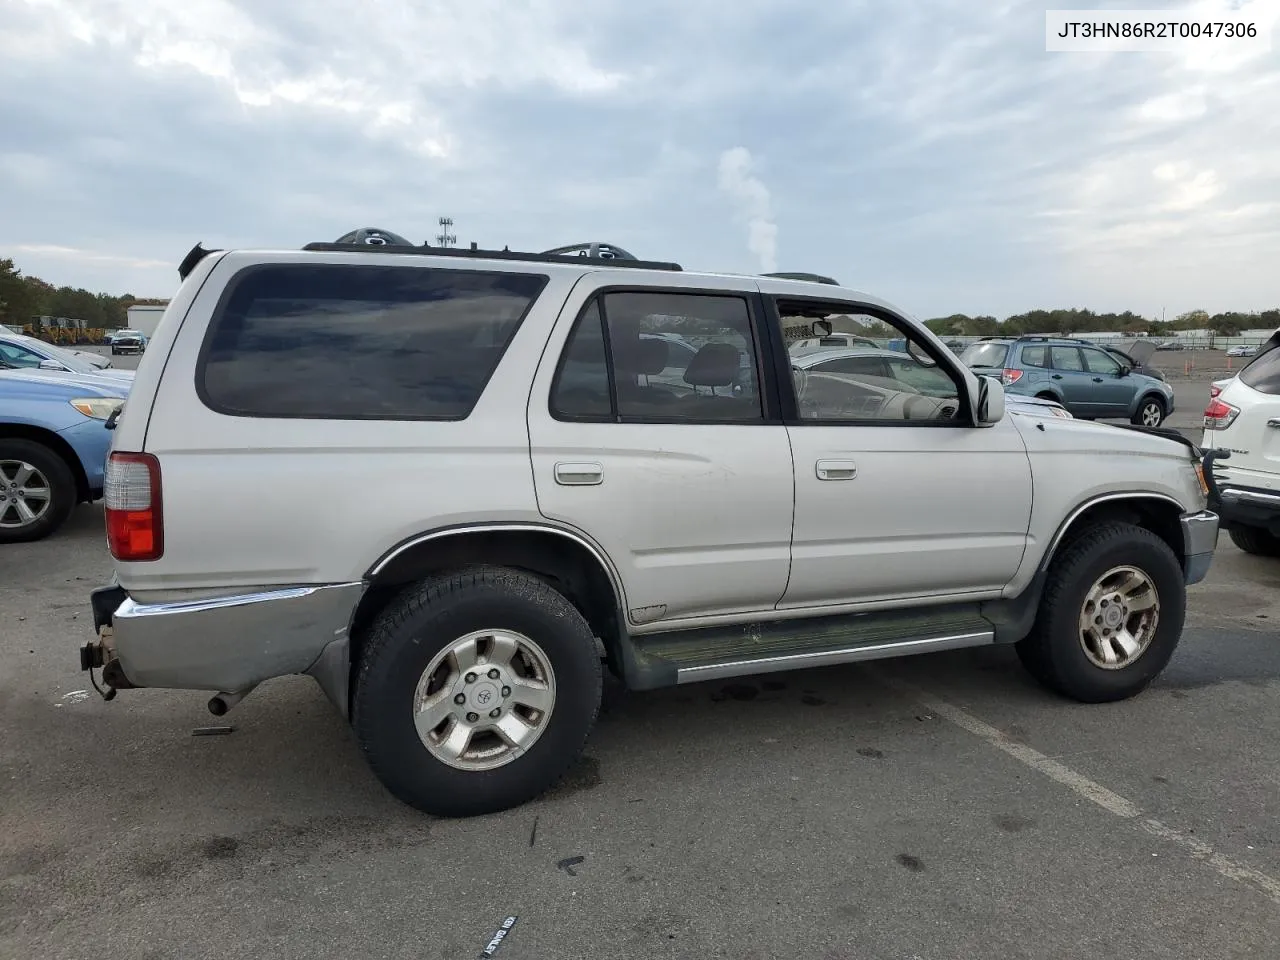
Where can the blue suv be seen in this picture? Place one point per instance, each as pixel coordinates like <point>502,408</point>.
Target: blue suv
<point>1091,382</point>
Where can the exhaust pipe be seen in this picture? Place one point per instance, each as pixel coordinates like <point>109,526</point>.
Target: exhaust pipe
<point>220,703</point>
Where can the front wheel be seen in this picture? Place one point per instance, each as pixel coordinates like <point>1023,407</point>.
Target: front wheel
<point>1110,617</point>
<point>476,691</point>
<point>1150,413</point>
<point>37,491</point>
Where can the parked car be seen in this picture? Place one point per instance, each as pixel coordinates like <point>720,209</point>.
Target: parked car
<point>532,506</point>
<point>831,340</point>
<point>126,341</point>
<point>1135,354</point>
<point>896,370</point>
<point>1087,380</point>
<point>1241,350</point>
<point>20,352</point>
<point>53,446</point>
<point>1243,418</point>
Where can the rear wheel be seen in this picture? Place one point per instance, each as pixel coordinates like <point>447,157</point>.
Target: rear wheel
<point>1150,412</point>
<point>476,691</point>
<point>1111,615</point>
<point>37,491</point>
<point>1255,540</point>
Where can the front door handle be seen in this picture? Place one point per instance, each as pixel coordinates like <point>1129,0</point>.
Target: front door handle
<point>1097,379</point>
<point>579,474</point>
<point>1273,422</point>
<point>836,469</point>
<point>1057,376</point>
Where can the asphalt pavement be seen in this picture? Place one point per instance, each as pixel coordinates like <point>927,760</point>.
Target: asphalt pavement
<point>940,806</point>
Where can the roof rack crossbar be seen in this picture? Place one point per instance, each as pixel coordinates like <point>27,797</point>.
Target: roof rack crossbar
<point>424,251</point>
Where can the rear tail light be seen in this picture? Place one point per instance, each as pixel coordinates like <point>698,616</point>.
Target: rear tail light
<point>1010,376</point>
<point>131,494</point>
<point>1219,415</point>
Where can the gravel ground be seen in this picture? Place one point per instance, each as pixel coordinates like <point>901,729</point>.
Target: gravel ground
<point>934,807</point>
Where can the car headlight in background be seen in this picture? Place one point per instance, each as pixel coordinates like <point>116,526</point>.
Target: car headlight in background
<point>97,407</point>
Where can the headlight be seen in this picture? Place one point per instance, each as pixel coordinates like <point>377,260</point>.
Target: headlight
<point>98,407</point>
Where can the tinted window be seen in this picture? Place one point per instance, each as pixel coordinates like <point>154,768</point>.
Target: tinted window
<point>672,357</point>
<point>1066,358</point>
<point>1035,356</point>
<point>581,389</point>
<point>1263,372</point>
<point>1098,362</point>
<point>360,342</point>
<point>985,355</point>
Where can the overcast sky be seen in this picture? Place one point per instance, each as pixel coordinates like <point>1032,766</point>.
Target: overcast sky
<point>929,151</point>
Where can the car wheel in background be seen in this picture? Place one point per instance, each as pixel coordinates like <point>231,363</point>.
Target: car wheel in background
<point>37,491</point>
<point>1255,540</point>
<point>1150,412</point>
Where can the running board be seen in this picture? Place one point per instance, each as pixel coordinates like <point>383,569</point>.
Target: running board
<point>715,653</point>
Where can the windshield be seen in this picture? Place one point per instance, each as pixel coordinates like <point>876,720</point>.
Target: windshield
<point>67,358</point>
<point>985,355</point>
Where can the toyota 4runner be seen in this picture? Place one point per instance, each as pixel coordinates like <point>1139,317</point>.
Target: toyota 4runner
<point>453,486</point>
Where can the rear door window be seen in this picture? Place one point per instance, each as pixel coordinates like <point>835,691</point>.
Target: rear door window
<point>1067,358</point>
<point>360,342</point>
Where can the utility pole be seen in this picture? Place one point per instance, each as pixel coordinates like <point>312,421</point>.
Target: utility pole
<point>444,237</point>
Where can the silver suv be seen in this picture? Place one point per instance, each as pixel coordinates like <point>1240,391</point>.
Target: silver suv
<point>453,485</point>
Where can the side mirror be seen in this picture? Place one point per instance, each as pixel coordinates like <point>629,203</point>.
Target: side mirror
<point>1125,371</point>
<point>51,365</point>
<point>821,328</point>
<point>990,400</point>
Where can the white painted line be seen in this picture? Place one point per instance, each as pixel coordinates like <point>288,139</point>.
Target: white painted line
<point>1111,802</point>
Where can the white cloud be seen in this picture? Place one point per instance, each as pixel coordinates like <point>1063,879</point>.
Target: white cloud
<point>932,152</point>
<point>753,205</point>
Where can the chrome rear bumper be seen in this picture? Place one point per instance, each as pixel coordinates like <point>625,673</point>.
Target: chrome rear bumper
<point>227,644</point>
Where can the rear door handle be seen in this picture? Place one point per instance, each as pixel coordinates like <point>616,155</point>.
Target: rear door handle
<point>1097,379</point>
<point>836,469</point>
<point>1273,422</point>
<point>1057,376</point>
<point>579,474</point>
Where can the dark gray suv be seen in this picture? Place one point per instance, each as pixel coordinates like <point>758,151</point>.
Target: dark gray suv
<point>1091,382</point>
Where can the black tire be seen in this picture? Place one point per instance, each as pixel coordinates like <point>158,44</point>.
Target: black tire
<point>1152,404</point>
<point>1255,540</point>
<point>1053,652</point>
<point>62,487</point>
<point>115,352</point>
<point>417,626</point>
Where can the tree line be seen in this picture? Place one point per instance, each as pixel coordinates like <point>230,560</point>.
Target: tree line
<point>1227,324</point>
<point>25,297</point>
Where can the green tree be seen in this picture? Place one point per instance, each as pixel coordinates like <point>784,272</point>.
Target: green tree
<point>19,299</point>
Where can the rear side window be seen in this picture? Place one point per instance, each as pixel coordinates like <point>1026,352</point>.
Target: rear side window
<point>1035,356</point>
<point>360,342</point>
<point>1263,372</point>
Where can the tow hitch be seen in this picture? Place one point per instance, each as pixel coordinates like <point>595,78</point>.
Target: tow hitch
<point>101,653</point>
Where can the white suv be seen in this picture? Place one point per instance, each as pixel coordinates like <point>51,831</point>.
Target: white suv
<point>449,484</point>
<point>1243,420</point>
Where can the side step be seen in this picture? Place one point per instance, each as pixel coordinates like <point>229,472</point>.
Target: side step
<point>714,653</point>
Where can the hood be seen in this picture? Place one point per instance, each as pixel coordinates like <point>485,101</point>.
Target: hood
<point>1141,349</point>
<point>70,385</point>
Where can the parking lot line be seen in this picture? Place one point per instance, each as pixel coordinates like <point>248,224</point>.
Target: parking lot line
<point>1112,802</point>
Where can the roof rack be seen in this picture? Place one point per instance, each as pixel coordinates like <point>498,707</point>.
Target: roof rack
<point>594,252</point>
<point>810,277</point>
